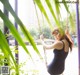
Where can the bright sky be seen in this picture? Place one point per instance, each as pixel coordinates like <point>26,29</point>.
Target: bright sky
<point>27,14</point>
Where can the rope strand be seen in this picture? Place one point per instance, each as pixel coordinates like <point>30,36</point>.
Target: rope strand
<point>45,56</point>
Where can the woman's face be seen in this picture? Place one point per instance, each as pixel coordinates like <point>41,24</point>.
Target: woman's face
<point>57,35</point>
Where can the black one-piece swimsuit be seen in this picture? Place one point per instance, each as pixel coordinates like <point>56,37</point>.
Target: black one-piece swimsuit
<point>58,63</point>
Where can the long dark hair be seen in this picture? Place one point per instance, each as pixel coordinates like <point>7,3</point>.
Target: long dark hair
<point>70,43</point>
<point>64,36</point>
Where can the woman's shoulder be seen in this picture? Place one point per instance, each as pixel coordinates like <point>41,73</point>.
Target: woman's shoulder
<point>65,41</point>
<point>58,44</point>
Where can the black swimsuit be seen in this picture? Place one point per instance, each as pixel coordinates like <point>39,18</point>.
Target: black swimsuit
<point>58,64</point>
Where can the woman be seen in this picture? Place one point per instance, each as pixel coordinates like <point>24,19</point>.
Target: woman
<point>61,49</point>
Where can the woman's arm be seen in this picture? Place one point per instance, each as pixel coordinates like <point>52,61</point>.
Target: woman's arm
<point>55,45</point>
<point>47,46</point>
<point>68,35</point>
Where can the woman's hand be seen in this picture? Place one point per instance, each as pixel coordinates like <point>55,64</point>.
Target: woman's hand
<point>69,37</point>
<point>67,32</point>
<point>42,37</point>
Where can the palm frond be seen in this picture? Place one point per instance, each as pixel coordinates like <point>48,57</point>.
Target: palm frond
<point>13,31</point>
<point>23,28</point>
<point>39,4</point>
<point>5,47</point>
<point>52,12</point>
<point>57,6</point>
<point>66,6</point>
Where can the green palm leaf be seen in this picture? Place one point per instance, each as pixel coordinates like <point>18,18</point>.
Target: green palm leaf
<point>66,6</point>
<point>39,4</point>
<point>13,31</point>
<point>51,10</point>
<point>27,34</point>
<point>5,47</point>
<point>57,6</point>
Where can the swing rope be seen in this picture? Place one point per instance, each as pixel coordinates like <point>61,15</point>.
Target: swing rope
<point>67,29</point>
<point>37,17</point>
<point>45,56</point>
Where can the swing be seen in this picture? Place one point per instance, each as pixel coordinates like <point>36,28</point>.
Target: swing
<point>45,57</point>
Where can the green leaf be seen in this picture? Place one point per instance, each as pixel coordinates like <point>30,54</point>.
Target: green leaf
<point>66,6</point>
<point>39,4</point>
<point>5,47</point>
<point>13,31</point>
<point>51,10</point>
<point>23,28</point>
<point>57,6</point>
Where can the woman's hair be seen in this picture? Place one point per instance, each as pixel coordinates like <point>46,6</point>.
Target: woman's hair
<point>64,35</point>
<point>70,42</point>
